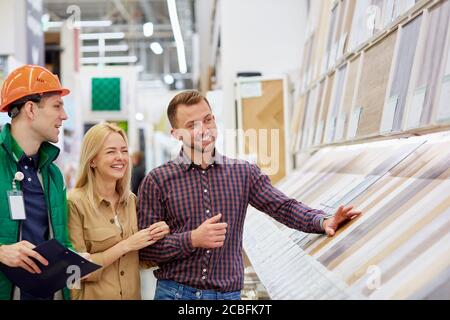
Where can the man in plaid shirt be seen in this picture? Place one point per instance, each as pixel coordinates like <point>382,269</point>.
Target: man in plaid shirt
<point>203,197</point>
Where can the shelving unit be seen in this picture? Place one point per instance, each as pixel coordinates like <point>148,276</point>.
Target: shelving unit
<point>394,80</point>
<point>370,128</point>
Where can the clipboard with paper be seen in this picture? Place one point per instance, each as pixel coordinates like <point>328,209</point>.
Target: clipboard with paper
<point>63,265</point>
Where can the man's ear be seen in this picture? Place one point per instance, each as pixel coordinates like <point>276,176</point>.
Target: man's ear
<point>30,109</point>
<point>174,132</point>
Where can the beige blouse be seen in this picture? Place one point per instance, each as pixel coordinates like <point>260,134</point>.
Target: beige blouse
<point>95,232</point>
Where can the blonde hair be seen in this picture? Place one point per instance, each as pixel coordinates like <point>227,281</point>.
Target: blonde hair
<point>92,144</point>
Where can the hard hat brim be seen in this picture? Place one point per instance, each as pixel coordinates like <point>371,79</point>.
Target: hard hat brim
<point>62,91</point>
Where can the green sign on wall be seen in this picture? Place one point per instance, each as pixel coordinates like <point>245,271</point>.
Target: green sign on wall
<point>105,94</point>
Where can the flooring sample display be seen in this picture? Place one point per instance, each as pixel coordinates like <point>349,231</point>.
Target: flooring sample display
<point>443,112</point>
<point>403,234</point>
<point>360,31</point>
<point>330,49</point>
<point>307,61</point>
<point>349,92</point>
<point>266,112</point>
<point>375,15</point>
<point>297,117</point>
<point>340,34</point>
<point>317,129</point>
<point>402,6</point>
<point>388,12</point>
<point>321,37</point>
<point>443,106</point>
<point>349,16</point>
<point>333,117</point>
<point>324,108</point>
<point>308,119</point>
<point>373,85</point>
<point>432,62</point>
<point>286,271</point>
<point>403,68</point>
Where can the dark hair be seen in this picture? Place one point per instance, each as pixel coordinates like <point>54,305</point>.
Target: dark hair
<point>187,98</point>
<point>14,108</point>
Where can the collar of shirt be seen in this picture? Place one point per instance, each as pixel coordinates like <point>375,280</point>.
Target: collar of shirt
<point>99,199</point>
<point>31,161</point>
<point>47,152</point>
<point>16,149</point>
<point>18,152</point>
<point>186,162</point>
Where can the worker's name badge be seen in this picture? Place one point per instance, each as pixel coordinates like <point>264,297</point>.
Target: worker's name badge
<point>16,205</point>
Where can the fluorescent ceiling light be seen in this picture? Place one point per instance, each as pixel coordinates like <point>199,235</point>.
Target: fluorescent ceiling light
<point>148,29</point>
<point>77,24</point>
<point>96,60</point>
<point>177,34</point>
<point>99,23</point>
<point>156,48</point>
<point>111,48</point>
<point>106,35</point>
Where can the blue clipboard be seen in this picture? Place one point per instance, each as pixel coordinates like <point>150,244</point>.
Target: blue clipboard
<point>52,277</point>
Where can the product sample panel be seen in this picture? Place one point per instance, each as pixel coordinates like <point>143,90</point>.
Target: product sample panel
<point>373,85</point>
<point>263,119</point>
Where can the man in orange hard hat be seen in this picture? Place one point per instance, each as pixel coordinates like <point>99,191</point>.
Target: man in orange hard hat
<point>32,96</point>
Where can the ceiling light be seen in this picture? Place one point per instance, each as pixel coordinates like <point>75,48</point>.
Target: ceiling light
<point>139,116</point>
<point>148,29</point>
<point>168,78</point>
<point>77,24</point>
<point>156,48</point>
<point>100,23</point>
<point>111,48</point>
<point>177,35</point>
<point>106,35</point>
<point>120,59</point>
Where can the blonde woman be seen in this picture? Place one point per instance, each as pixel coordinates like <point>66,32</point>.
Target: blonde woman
<point>102,217</point>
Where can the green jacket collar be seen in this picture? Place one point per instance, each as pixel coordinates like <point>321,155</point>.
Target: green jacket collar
<point>47,152</point>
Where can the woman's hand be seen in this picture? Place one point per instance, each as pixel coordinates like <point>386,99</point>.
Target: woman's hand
<point>139,240</point>
<point>159,230</point>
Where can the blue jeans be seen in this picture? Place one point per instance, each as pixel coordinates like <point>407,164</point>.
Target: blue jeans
<point>171,290</point>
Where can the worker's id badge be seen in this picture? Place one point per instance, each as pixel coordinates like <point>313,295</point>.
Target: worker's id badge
<point>16,205</point>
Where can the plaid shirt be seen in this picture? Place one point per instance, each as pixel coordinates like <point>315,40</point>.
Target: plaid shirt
<point>184,195</point>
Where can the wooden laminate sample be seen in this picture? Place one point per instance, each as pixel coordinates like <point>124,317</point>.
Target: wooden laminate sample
<point>340,21</point>
<point>325,107</point>
<point>297,118</point>
<point>373,85</point>
<point>321,35</point>
<point>333,114</point>
<point>320,95</point>
<point>349,14</point>
<point>267,112</point>
<point>349,91</point>
<point>308,124</point>
<point>385,214</point>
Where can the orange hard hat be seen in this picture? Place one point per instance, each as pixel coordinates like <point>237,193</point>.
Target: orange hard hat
<point>28,80</point>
